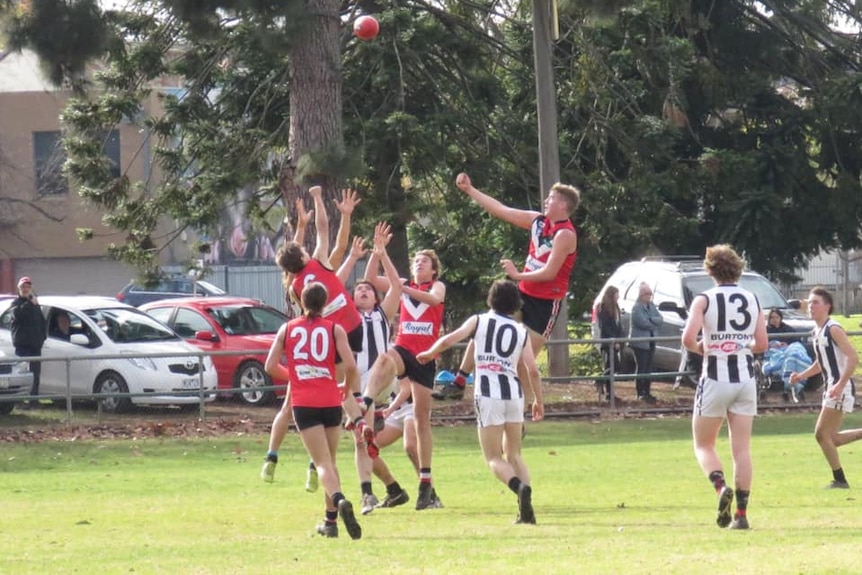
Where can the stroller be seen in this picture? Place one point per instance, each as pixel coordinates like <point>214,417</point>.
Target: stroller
<point>773,369</point>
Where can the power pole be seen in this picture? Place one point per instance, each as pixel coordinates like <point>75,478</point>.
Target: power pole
<point>549,152</point>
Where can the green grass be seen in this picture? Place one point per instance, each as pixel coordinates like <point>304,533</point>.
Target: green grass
<point>611,497</point>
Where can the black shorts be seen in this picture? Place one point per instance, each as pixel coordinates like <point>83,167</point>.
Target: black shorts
<point>354,339</point>
<point>307,417</point>
<point>421,374</point>
<point>540,315</point>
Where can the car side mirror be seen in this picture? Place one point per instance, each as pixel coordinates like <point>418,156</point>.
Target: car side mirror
<point>206,336</point>
<point>669,306</point>
<point>794,303</point>
<point>79,339</point>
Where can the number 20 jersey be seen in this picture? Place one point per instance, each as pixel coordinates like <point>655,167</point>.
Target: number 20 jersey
<point>309,345</point>
<point>729,322</point>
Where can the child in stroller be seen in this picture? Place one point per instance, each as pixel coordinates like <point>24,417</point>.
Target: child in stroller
<point>778,363</point>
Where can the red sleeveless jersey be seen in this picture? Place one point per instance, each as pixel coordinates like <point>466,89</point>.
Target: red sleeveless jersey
<point>418,323</point>
<point>339,304</point>
<point>309,344</point>
<point>542,232</point>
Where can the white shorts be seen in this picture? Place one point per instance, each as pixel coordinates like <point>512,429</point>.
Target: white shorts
<point>844,403</point>
<point>400,415</point>
<point>717,398</point>
<point>490,411</point>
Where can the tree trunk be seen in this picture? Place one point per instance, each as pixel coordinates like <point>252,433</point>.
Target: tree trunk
<point>315,105</point>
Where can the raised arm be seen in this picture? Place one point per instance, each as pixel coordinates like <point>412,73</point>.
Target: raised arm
<point>520,218</point>
<point>321,222</point>
<point>302,219</point>
<point>382,236</point>
<point>466,329</point>
<point>380,283</point>
<point>357,252</point>
<point>349,200</point>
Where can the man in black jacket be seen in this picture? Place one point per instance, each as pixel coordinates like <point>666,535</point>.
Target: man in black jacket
<point>28,329</point>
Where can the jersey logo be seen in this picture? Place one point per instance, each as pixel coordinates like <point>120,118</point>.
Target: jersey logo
<point>414,308</point>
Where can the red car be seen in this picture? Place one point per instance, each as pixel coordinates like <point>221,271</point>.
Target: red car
<point>228,324</point>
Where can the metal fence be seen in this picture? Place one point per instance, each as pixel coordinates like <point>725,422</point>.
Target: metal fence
<point>200,397</point>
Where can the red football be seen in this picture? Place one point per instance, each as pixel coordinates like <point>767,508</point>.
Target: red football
<point>366,28</point>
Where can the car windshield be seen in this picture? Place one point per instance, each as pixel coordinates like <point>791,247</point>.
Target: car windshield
<point>247,320</point>
<point>766,293</point>
<point>123,325</point>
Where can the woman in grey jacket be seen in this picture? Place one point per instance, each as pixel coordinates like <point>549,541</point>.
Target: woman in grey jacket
<point>645,322</point>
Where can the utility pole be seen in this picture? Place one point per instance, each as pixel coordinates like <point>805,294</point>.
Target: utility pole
<point>549,152</point>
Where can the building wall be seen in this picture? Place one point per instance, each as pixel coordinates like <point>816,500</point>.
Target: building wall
<point>38,231</point>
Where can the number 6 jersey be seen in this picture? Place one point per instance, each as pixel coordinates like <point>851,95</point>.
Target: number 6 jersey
<point>729,321</point>
<point>499,341</point>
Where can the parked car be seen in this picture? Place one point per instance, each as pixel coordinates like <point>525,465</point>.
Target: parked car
<point>675,281</point>
<point>135,294</point>
<point>228,324</point>
<point>102,326</point>
<point>15,381</point>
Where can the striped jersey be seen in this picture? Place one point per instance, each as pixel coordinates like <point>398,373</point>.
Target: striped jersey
<point>499,341</point>
<point>375,338</point>
<point>830,357</point>
<point>729,321</point>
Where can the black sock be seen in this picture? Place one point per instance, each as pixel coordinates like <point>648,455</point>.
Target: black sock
<point>365,487</point>
<point>393,489</point>
<point>368,402</point>
<point>332,516</point>
<point>741,501</point>
<point>311,466</point>
<point>514,484</point>
<point>838,475</point>
<point>272,456</point>
<point>717,479</point>
<point>337,497</point>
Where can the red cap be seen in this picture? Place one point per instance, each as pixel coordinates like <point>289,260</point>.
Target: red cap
<point>24,280</point>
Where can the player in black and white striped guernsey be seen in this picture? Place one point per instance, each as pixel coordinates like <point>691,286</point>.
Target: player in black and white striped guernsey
<point>504,361</point>
<point>836,360</point>
<point>733,329</point>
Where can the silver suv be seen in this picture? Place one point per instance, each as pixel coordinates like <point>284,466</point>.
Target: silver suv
<point>675,281</point>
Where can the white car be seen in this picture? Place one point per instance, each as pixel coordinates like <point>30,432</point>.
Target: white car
<point>105,327</point>
<point>15,382</point>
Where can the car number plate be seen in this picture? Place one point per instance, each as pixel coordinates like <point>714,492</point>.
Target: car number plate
<point>4,383</point>
<point>193,383</point>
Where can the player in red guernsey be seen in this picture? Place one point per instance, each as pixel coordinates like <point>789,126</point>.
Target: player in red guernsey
<point>419,320</point>
<point>300,268</point>
<point>545,278</point>
<point>312,344</point>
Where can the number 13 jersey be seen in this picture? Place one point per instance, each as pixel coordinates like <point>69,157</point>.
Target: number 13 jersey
<point>729,321</point>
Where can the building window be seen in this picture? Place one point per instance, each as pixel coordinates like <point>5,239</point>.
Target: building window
<point>48,159</point>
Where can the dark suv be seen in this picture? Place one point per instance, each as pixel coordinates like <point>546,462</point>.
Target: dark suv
<point>675,281</point>
<point>134,294</point>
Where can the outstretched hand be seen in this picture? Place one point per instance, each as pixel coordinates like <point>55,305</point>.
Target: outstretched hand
<point>358,249</point>
<point>382,236</point>
<point>315,191</point>
<point>349,200</point>
<point>509,268</point>
<point>303,216</point>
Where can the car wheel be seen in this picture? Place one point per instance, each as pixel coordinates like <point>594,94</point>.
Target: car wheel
<point>113,382</point>
<point>249,378</point>
<point>6,408</point>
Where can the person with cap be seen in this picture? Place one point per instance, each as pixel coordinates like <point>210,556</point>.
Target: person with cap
<point>28,329</point>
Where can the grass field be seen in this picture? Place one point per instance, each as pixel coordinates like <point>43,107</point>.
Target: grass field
<point>611,497</point>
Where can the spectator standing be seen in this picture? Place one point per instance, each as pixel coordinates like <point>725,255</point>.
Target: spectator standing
<point>28,331</point>
<point>610,327</point>
<point>646,319</point>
